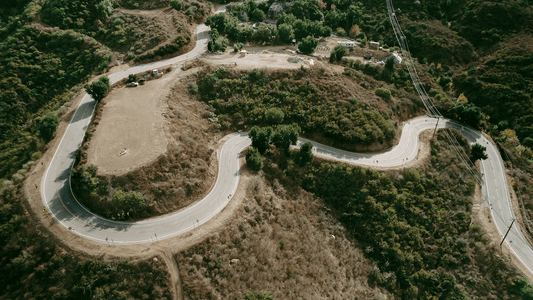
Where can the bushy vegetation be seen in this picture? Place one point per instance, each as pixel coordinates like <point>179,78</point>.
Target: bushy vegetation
<point>337,54</point>
<point>230,27</point>
<point>247,98</point>
<point>503,90</point>
<point>37,71</point>
<point>254,159</point>
<point>33,265</point>
<point>422,237</point>
<point>92,189</point>
<point>383,93</point>
<point>217,43</point>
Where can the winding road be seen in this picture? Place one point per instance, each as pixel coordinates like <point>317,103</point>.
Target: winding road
<point>61,203</point>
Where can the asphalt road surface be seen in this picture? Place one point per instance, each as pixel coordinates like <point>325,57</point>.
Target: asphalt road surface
<point>58,198</point>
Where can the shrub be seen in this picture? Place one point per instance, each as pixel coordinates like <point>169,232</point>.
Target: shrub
<point>177,5</point>
<point>254,159</point>
<point>128,200</point>
<point>257,15</point>
<point>274,115</point>
<point>193,88</point>
<point>48,126</point>
<point>237,47</point>
<point>337,54</point>
<point>132,78</point>
<point>383,93</point>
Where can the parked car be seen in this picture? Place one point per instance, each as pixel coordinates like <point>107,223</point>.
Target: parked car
<point>132,84</point>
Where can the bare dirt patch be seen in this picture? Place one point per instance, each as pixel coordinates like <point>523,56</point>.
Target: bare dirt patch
<point>132,123</point>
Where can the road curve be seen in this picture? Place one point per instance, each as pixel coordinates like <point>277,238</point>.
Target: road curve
<point>59,200</point>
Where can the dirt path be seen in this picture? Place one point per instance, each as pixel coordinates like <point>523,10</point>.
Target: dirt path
<point>173,270</point>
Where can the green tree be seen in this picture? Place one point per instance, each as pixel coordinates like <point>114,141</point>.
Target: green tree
<point>260,138</point>
<point>129,200</point>
<point>177,5</point>
<point>48,126</point>
<point>274,115</point>
<point>254,159</point>
<point>285,32</point>
<point>218,44</point>
<point>523,289</point>
<point>285,136</point>
<point>528,142</point>
<point>467,112</point>
<point>305,154</point>
<point>98,89</point>
<point>246,34</point>
<point>478,152</point>
<point>263,34</point>
<point>308,45</point>
<point>257,15</point>
<point>389,65</point>
<point>218,22</point>
<point>338,53</point>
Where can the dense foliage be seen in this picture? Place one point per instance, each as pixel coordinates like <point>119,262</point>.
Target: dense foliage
<point>503,89</point>
<point>417,227</point>
<point>254,159</point>
<point>37,70</point>
<point>246,100</point>
<point>33,265</point>
<point>98,89</point>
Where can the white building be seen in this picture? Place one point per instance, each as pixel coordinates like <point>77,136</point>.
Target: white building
<point>347,44</point>
<point>374,45</point>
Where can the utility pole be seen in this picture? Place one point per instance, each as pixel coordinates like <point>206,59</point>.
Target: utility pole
<point>506,235</point>
<point>438,118</point>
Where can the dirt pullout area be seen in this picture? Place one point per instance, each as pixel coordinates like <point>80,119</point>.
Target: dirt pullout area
<point>130,132</point>
<point>291,247</point>
<point>152,139</point>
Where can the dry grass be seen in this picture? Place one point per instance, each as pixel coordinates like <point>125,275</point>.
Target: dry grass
<point>289,247</point>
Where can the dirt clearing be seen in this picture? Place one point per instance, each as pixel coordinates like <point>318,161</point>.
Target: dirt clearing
<point>258,60</point>
<point>131,130</point>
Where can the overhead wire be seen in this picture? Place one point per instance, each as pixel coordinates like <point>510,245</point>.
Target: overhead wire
<point>426,99</point>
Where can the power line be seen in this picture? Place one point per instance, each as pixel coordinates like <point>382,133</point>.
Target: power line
<point>426,99</point>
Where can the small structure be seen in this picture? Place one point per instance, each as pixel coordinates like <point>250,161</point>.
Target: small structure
<point>141,82</point>
<point>347,44</point>
<point>374,45</point>
<point>155,72</point>
<point>397,58</point>
<point>243,53</point>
